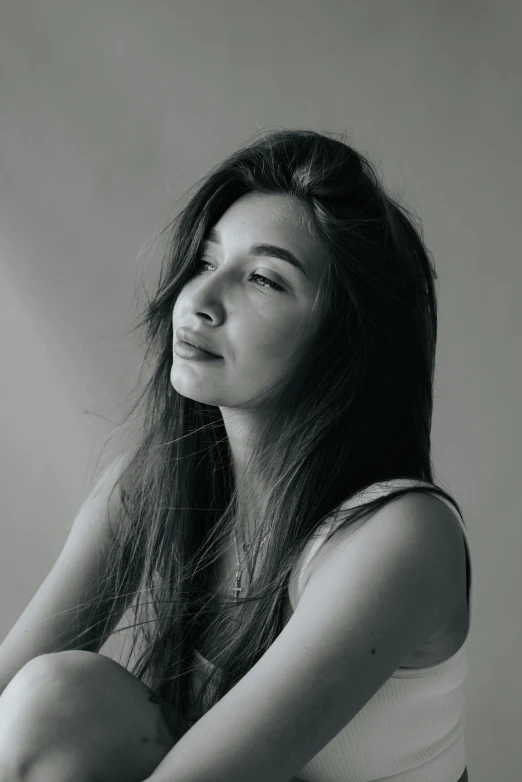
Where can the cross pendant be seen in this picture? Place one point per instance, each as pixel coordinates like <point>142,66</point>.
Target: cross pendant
<point>237,588</point>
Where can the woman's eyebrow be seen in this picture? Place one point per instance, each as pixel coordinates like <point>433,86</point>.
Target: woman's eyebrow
<point>267,250</point>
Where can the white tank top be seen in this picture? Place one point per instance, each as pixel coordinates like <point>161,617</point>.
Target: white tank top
<point>412,729</point>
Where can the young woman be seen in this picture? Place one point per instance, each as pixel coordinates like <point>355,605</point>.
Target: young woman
<point>300,585</point>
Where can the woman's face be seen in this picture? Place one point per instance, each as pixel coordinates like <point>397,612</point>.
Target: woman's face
<point>258,330</point>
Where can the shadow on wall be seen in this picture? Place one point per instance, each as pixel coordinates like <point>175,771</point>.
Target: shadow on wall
<point>45,446</point>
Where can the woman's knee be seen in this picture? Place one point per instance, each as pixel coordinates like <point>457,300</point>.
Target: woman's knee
<point>74,676</point>
<point>44,673</point>
<point>37,705</point>
<point>51,685</point>
<point>87,707</point>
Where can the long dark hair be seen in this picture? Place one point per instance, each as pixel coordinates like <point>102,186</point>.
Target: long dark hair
<point>355,412</point>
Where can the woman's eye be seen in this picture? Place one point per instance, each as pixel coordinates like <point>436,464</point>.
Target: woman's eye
<point>271,283</point>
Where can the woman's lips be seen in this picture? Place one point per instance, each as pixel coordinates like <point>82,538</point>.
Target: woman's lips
<point>185,350</point>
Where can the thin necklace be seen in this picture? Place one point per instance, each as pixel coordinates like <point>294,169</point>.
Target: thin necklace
<point>238,587</point>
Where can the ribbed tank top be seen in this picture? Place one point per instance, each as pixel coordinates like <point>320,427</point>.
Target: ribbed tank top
<point>412,729</point>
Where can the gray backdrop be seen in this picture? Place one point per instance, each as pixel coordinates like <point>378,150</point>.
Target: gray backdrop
<point>111,109</point>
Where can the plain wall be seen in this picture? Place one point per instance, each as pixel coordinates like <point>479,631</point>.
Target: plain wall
<point>109,111</point>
